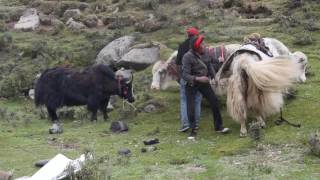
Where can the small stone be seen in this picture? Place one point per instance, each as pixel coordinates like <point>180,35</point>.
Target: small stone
<point>150,108</point>
<point>191,138</point>
<point>72,13</point>
<point>41,163</point>
<point>314,143</point>
<point>151,141</point>
<point>55,129</point>
<point>124,152</point>
<point>149,149</point>
<point>119,126</point>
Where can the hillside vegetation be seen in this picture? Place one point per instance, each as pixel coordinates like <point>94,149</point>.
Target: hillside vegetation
<point>283,152</point>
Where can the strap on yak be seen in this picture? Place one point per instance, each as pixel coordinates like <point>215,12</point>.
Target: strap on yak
<point>229,61</point>
<point>222,53</point>
<point>172,69</point>
<point>218,52</point>
<point>120,88</point>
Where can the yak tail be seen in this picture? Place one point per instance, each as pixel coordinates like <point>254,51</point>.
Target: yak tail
<point>236,102</point>
<point>38,99</point>
<point>272,75</point>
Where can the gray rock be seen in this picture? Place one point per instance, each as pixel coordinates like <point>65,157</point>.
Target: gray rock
<point>149,25</point>
<point>57,23</point>
<point>72,13</point>
<point>44,19</point>
<point>149,149</point>
<point>140,58</point>
<point>119,126</point>
<point>75,26</point>
<point>118,21</point>
<point>56,129</point>
<point>113,52</point>
<point>41,163</point>
<point>314,143</point>
<point>150,108</point>
<point>211,3</point>
<point>29,20</point>
<point>83,5</point>
<point>91,21</point>
<point>124,152</point>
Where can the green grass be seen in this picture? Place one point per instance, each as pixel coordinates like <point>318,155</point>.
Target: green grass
<point>24,139</point>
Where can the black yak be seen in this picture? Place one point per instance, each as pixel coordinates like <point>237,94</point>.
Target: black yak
<point>93,86</point>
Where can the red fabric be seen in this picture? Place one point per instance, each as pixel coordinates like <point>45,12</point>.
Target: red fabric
<point>222,53</point>
<point>198,42</point>
<point>193,31</point>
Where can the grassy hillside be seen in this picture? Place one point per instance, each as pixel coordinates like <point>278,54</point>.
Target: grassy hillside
<point>282,154</point>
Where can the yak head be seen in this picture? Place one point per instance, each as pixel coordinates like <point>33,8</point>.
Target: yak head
<point>125,78</point>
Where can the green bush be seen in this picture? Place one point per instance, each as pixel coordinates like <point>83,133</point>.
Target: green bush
<point>303,38</point>
<point>6,41</point>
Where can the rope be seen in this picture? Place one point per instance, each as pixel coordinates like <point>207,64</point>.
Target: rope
<point>130,104</point>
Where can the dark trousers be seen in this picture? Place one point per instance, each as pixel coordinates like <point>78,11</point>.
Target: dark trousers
<point>207,92</point>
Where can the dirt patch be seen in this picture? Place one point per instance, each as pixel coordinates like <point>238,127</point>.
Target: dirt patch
<point>191,168</point>
<point>68,144</point>
<point>267,160</point>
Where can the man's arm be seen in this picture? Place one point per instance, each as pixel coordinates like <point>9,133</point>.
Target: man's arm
<point>179,56</point>
<point>186,69</point>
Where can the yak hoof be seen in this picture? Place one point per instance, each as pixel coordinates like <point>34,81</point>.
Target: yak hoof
<point>55,129</point>
<point>243,134</point>
<point>262,124</point>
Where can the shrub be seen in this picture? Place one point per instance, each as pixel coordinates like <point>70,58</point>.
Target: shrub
<point>151,4</point>
<point>6,41</point>
<point>303,38</point>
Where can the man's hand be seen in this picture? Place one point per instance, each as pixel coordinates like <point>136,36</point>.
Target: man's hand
<point>202,79</point>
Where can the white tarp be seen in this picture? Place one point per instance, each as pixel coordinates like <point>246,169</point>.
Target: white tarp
<point>55,168</point>
<point>52,169</point>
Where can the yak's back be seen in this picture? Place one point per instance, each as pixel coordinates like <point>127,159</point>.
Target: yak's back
<point>55,82</point>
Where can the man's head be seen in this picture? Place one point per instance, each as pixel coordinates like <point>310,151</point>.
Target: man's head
<point>197,45</point>
<point>191,32</point>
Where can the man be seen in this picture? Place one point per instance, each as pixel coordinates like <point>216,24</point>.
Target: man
<point>184,48</point>
<point>197,72</point>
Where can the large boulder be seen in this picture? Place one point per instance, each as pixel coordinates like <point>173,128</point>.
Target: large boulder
<point>115,50</point>
<point>46,7</point>
<point>140,58</point>
<point>122,53</point>
<point>29,20</point>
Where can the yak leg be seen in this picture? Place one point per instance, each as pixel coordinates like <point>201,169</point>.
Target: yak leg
<point>243,129</point>
<point>261,122</point>
<point>56,127</point>
<point>103,107</point>
<point>94,111</point>
<point>53,115</point>
<point>92,107</point>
